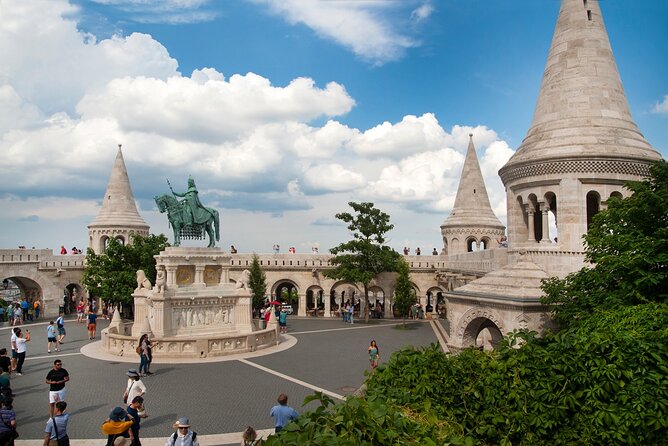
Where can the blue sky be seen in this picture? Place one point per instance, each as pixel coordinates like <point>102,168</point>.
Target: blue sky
<point>282,110</point>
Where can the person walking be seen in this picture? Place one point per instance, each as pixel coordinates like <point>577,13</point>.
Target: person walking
<point>56,426</point>
<point>283,320</point>
<point>137,412</point>
<point>149,357</point>
<point>184,436</point>
<point>56,379</point>
<point>18,315</point>
<point>135,387</point>
<point>92,323</point>
<point>21,349</point>
<point>12,343</point>
<point>143,354</point>
<point>7,422</point>
<point>118,425</point>
<point>374,355</point>
<point>282,413</point>
<point>60,325</point>
<point>351,312</point>
<point>51,337</point>
<point>37,306</point>
<point>80,311</point>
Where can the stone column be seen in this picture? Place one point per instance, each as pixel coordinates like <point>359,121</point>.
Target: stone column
<point>545,209</point>
<point>328,305</point>
<point>199,277</point>
<point>302,305</point>
<point>140,313</point>
<point>171,275</point>
<point>532,230</point>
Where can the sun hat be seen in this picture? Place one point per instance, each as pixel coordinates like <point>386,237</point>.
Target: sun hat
<point>122,441</point>
<point>182,422</point>
<point>117,414</point>
<point>132,372</point>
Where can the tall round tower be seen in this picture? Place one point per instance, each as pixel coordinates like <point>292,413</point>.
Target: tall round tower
<point>118,218</point>
<point>472,225</point>
<point>582,146</point>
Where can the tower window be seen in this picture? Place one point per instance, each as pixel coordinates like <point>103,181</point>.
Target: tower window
<point>474,191</point>
<point>589,14</point>
<point>584,2</point>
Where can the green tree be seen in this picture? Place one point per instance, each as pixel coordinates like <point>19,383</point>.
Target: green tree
<point>628,247</point>
<point>361,259</point>
<point>112,275</point>
<point>257,283</point>
<point>404,294</point>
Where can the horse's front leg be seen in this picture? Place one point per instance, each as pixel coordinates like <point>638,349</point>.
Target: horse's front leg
<point>177,235</point>
<point>209,231</point>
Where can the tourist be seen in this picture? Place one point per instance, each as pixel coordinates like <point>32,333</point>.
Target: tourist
<point>63,250</point>
<point>60,325</point>
<point>56,426</point>
<point>7,422</point>
<point>80,311</point>
<point>2,313</point>
<point>117,425</point>
<point>344,312</point>
<point>434,252</point>
<point>56,379</point>
<point>13,345</point>
<point>417,251</point>
<point>233,250</point>
<point>276,248</point>
<point>503,242</point>
<point>5,362</point>
<point>21,349</point>
<point>18,315</point>
<point>143,354</point>
<point>25,306</point>
<point>183,436</point>
<point>282,413</point>
<point>283,320</point>
<point>249,437</point>
<point>37,306</point>
<point>92,324</point>
<point>374,355</point>
<point>351,312</point>
<point>10,314</point>
<point>137,412</point>
<point>135,386</point>
<point>407,250</point>
<point>51,337</point>
<point>149,347</point>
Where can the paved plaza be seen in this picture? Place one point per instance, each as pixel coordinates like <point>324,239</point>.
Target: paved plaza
<point>219,397</point>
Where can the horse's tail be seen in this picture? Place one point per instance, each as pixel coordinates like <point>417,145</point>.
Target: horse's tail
<point>216,222</point>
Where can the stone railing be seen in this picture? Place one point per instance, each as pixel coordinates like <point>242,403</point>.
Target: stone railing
<point>44,257</point>
<point>118,340</point>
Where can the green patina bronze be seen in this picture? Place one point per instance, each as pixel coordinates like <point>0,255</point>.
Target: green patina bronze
<point>189,218</point>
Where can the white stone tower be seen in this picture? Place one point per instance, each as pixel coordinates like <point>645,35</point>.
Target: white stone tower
<point>118,218</point>
<point>472,225</point>
<point>581,147</point>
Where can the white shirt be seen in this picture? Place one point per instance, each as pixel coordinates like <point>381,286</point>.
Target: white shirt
<point>20,345</point>
<point>12,341</point>
<point>138,389</point>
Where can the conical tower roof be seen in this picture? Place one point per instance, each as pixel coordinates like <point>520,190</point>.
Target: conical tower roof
<point>582,111</point>
<point>472,208</point>
<point>118,204</point>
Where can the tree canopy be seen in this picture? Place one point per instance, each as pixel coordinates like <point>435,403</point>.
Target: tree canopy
<point>628,247</point>
<point>361,259</point>
<point>112,275</point>
<point>257,283</point>
<point>404,294</point>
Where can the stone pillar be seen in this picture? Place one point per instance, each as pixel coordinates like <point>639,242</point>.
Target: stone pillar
<point>199,277</point>
<point>140,312</point>
<point>302,305</point>
<point>545,209</point>
<point>532,230</point>
<point>328,305</point>
<point>243,315</point>
<point>171,275</point>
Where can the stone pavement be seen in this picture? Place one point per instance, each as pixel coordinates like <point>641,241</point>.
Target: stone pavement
<point>219,397</point>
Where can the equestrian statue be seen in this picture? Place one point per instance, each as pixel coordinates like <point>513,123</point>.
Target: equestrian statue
<point>189,218</point>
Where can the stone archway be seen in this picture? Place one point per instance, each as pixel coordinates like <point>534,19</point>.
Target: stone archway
<point>477,322</point>
<point>286,291</point>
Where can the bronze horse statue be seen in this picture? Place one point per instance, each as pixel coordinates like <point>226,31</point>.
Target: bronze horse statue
<point>181,220</point>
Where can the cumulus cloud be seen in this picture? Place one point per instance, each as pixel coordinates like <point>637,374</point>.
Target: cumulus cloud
<point>360,26</point>
<point>661,107</point>
<point>333,178</point>
<point>422,12</point>
<point>164,11</point>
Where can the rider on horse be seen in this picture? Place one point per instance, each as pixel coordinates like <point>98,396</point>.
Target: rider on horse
<point>197,213</point>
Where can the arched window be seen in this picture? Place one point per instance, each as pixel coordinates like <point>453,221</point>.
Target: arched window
<point>593,205</point>
<point>471,245</point>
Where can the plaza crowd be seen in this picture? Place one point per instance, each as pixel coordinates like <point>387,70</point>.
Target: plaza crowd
<point>122,426</point>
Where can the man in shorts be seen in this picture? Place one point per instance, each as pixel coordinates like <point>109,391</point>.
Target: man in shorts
<point>60,324</point>
<point>56,379</point>
<point>13,344</point>
<point>91,319</point>
<point>51,337</point>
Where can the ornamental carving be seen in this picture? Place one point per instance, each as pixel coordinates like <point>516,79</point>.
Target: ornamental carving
<point>212,275</point>
<point>184,317</point>
<point>574,166</point>
<point>184,275</point>
<point>476,313</point>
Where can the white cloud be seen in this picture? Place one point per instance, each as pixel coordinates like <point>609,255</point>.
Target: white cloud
<point>360,26</point>
<point>164,11</point>
<point>48,208</point>
<point>422,12</point>
<point>15,113</point>
<point>661,107</point>
<point>333,178</point>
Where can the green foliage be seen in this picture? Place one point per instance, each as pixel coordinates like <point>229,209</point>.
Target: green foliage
<point>112,276</point>
<point>361,259</point>
<point>404,294</point>
<point>257,283</point>
<point>628,245</point>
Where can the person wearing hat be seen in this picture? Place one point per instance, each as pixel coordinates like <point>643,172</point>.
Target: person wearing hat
<point>118,426</point>
<point>183,436</point>
<point>135,386</point>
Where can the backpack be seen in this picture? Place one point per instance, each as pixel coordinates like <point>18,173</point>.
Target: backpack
<point>175,436</point>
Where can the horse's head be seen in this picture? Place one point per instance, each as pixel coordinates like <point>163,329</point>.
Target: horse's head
<point>161,202</point>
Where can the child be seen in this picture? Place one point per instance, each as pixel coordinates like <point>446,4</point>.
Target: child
<point>51,337</point>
